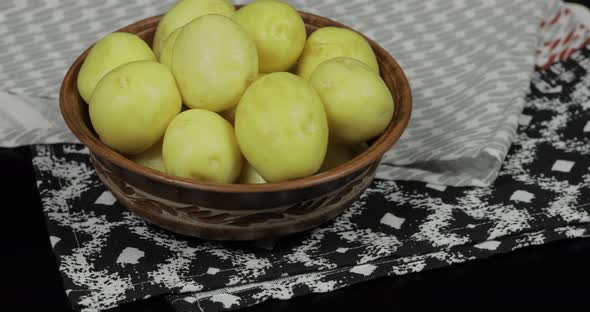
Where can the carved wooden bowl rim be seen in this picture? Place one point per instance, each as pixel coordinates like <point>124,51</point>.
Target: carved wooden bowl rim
<point>392,73</point>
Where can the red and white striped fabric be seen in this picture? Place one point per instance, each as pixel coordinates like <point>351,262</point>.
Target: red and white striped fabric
<point>562,34</point>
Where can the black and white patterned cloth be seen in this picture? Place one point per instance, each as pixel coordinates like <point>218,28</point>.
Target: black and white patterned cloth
<point>107,256</point>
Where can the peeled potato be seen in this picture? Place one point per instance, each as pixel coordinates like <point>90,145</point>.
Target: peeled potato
<point>330,42</point>
<point>201,145</point>
<point>166,53</point>
<point>249,175</point>
<point>108,53</point>
<point>230,114</point>
<point>336,155</point>
<point>277,30</point>
<point>185,11</point>
<point>358,104</point>
<point>213,61</point>
<point>151,158</point>
<point>133,104</point>
<point>281,127</point>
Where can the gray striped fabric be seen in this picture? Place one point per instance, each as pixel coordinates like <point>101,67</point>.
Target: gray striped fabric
<point>468,62</point>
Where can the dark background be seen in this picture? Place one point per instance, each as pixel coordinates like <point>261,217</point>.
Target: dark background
<point>557,274</point>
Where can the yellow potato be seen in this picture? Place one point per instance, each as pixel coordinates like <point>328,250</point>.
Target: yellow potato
<point>330,42</point>
<point>358,104</point>
<point>213,61</point>
<point>166,53</point>
<point>277,30</point>
<point>151,158</point>
<point>108,53</point>
<point>230,114</point>
<point>201,145</point>
<point>249,175</point>
<point>336,155</point>
<point>185,11</point>
<point>133,104</point>
<point>281,127</point>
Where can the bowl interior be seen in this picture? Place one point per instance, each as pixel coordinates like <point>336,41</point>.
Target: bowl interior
<point>75,113</point>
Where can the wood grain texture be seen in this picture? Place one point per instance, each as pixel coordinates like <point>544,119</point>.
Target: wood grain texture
<point>232,198</point>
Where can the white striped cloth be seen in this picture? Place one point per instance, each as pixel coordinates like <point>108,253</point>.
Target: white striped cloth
<point>468,62</point>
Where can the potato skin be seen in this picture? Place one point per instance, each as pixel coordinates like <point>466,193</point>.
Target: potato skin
<point>330,42</point>
<point>201,145</point>
<point>151,158</point>
<point>358,103</point>
<point>213,73</point>
<point>108,53</point>
<point>249,175</point>
<point>336,155</point>
<point>166,53</point>
<point>185,11</point>
<point>230,114</point>
<point>278,31</point>
<point>133,104</point>
<point>282,128</point>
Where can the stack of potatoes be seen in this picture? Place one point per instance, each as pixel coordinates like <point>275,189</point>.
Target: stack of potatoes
<point>262,101</point>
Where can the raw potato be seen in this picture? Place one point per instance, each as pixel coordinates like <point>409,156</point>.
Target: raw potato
<point>185,11</point>
<point>133,104</point>
<point>214,61</point>
<point>151,158</point>
<point>166,53</point>
<point>108,53</point>
<point>339,154</point>
<point>281,127</point>
<point>230,114</point>
<point>336,155</point>
<point>249,175</point>
<point>358,104</point>
<point>201,145</point>
<point>330,42</point>
<point>277,30</point>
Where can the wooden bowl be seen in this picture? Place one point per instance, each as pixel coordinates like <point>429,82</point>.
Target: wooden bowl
<point>233,211</point>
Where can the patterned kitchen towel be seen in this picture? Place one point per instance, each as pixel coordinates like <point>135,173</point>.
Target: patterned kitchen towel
<point>107,256</point>
<point>468,62</point>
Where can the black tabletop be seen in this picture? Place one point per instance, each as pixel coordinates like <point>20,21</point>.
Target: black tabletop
<point>554,274</point>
